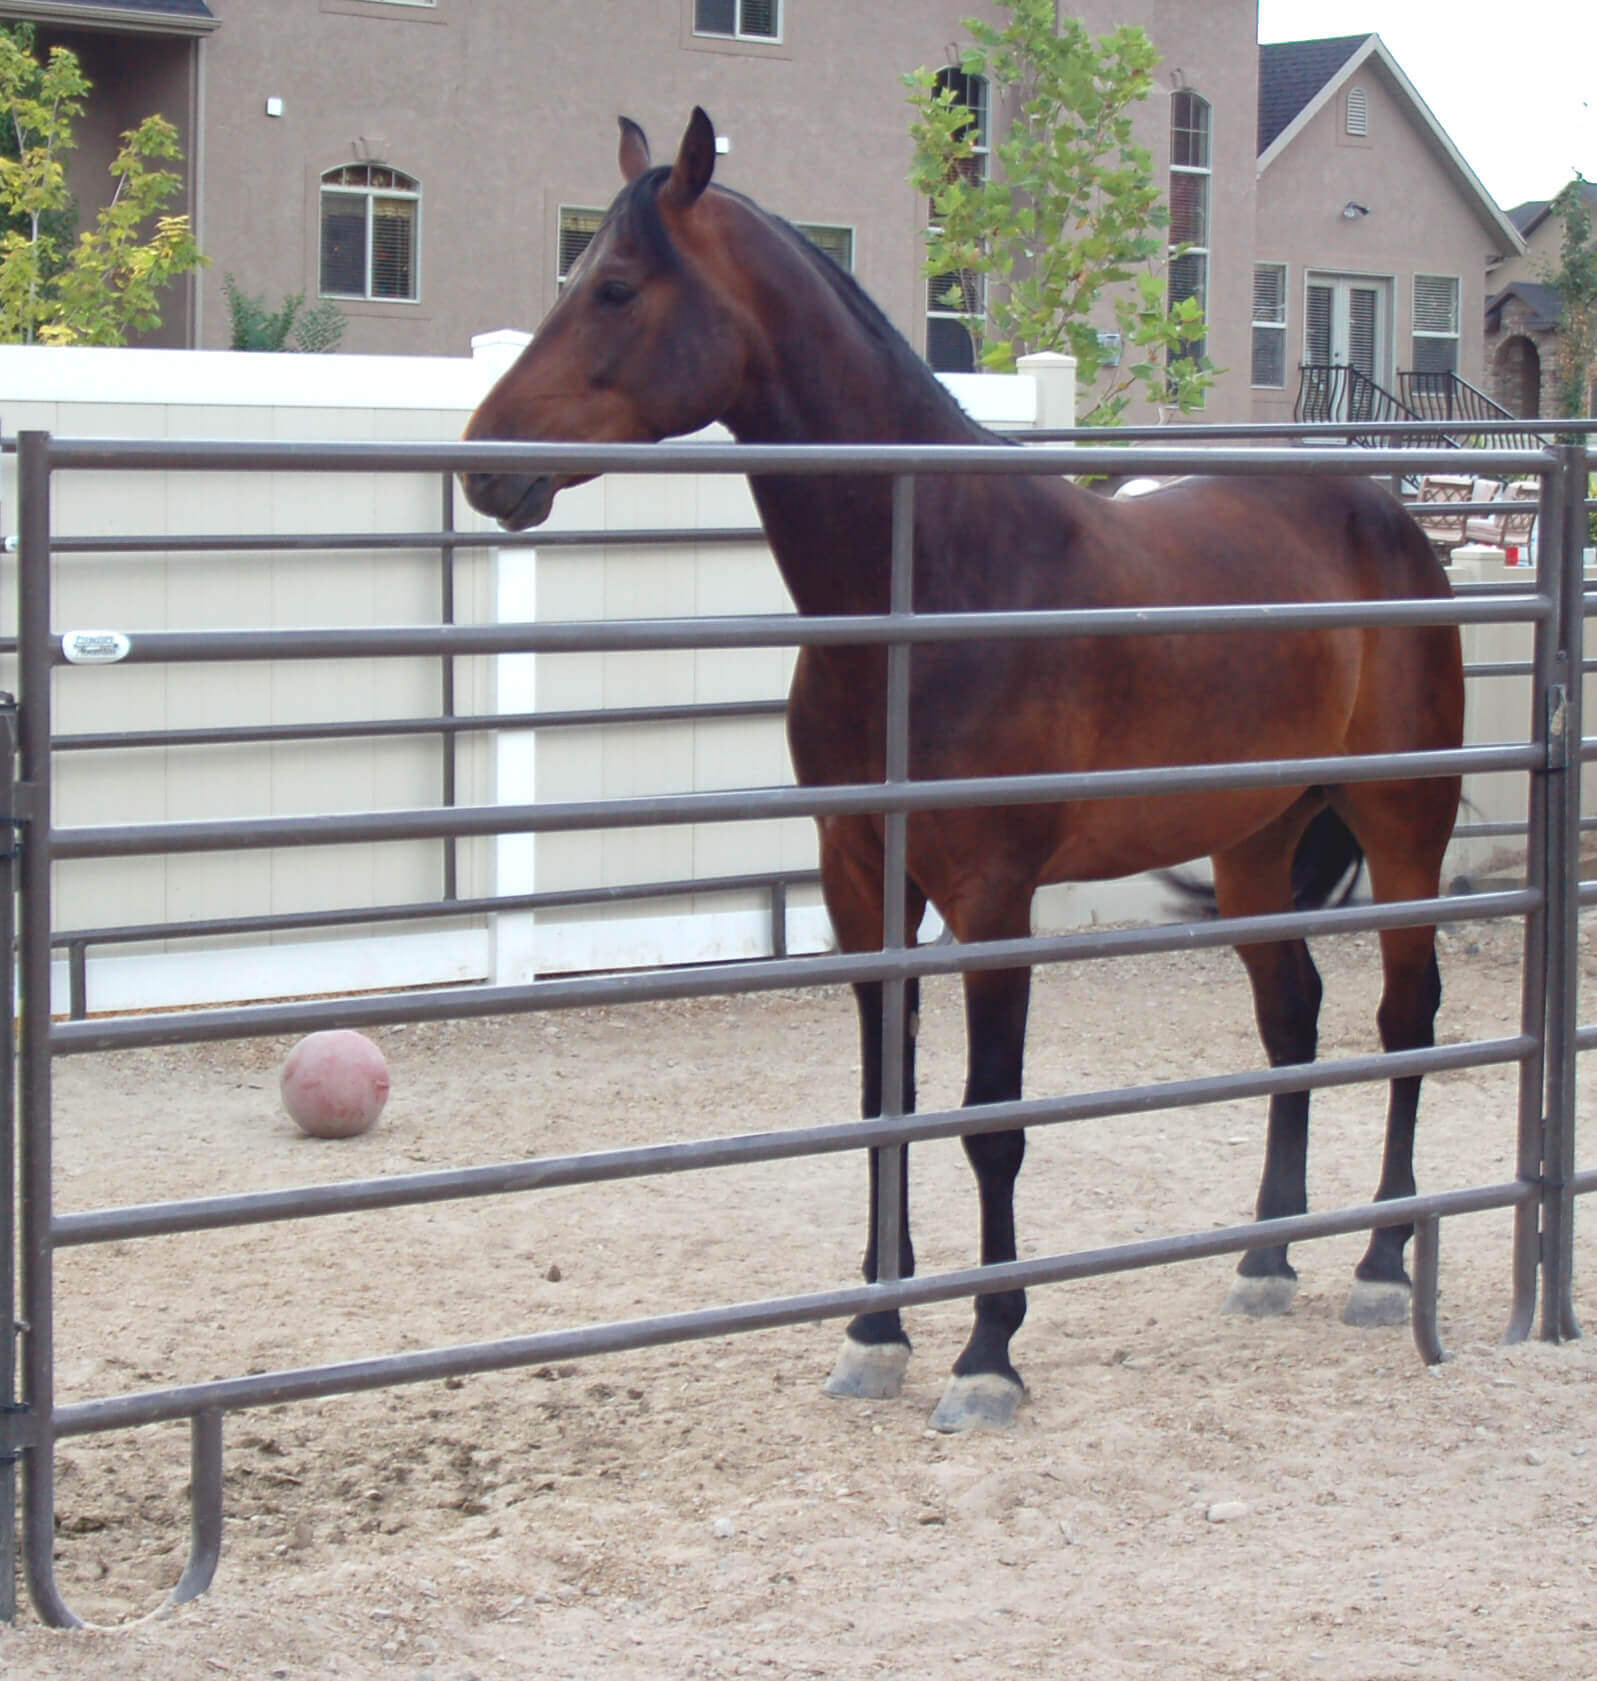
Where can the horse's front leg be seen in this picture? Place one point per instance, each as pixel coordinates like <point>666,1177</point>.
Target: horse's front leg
<point>985,1388</point>
<point>875,1350</point>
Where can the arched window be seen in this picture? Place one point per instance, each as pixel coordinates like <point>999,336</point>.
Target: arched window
<point>370,233</point>
<point>955,298</point>
<point>1189,203</point>
<point>1358,111</point>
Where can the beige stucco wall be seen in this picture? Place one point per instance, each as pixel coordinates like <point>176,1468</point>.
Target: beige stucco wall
<point>506,111</point>
<point>1420,221</point>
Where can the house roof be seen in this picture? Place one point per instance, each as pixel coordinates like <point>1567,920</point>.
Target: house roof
<point>143,17</point>
<point>1291,73</point>
<point>1543,303</point>
<point>1297,79</point>
<point>1530,216</point>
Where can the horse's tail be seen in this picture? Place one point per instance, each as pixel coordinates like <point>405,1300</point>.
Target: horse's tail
<point>1325,870</point>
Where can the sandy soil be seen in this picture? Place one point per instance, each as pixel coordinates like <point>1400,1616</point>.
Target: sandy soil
<point>703,1511</point>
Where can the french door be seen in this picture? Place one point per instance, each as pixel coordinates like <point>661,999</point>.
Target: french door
<point>1347,331</point>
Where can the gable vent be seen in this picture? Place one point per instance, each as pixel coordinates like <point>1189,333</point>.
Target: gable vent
<point>1358,111</point>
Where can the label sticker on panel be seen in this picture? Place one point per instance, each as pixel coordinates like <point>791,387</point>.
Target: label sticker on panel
<point>95,647</point>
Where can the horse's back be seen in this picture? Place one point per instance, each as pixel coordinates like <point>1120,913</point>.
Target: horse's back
<point>1269,539</point>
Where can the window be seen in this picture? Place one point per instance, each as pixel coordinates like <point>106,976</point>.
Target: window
<point>1435,324</point>
<point>577,228</point>
<point>1189,204</point>
<point>956,299</point>
<point>370,233</point>
<point>837,243</point>
<point>1358,111</point>
<point>1269,324</point>
<point>739,20</point>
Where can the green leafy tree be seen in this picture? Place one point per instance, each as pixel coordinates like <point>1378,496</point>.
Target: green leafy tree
<point>255,327</point>
<point>1575,280</point>
<point>1070,215</point>
<point>99,285</point>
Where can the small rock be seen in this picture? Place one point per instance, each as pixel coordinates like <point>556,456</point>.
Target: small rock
<point>1226,1511</point>
<point>723,1529</point>
<point>1534,1456</point>
<point>553,1275</point>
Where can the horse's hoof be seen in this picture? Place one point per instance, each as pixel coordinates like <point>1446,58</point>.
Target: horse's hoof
<point>1260,1298</point>
<point>983,1401</point>
<point>868,1371</point>
<point>1376,1304</point>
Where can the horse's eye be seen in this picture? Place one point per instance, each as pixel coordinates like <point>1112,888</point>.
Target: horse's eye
<point>614,293</point>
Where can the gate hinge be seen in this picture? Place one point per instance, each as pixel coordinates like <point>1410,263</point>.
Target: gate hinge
<point>1557,727</point>
<point>15,1434</point>
<point>15,814</point>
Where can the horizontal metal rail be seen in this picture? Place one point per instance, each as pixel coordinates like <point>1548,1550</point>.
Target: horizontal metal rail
<point>768,974</point>
<point>785,630</point>
<point>749,1149</point>
<point>871,460</point>
<point>120,1412</point>
<point>554,898</point>
<point>739,804</point>
<point>243,735</point>
<point>657,536</point>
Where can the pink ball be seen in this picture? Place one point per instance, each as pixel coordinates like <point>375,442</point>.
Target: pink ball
<point>335,1083</point>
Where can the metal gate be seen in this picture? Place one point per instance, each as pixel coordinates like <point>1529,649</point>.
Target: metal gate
<point>1542,1193</point>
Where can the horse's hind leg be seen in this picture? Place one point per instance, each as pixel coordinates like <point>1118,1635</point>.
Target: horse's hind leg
<point>875,1350</point>
<point>1255,879</point>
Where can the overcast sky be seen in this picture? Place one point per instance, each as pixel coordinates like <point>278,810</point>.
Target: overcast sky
<point>1515,91</point>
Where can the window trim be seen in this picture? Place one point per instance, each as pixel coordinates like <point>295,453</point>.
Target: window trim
<point>411,194</point>
<point>738,33</point>
<point>1282,325</point>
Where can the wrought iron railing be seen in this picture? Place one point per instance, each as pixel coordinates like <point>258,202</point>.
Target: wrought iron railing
<point>1336,392</point>
<point>1444,396</point>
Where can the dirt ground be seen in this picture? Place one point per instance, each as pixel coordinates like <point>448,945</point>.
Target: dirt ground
<point>1184,1495</point>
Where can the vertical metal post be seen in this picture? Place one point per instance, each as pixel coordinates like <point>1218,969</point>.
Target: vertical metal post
<point>10,1411</point>
<point>1563,889</point>
<point>34,1152</point>
<point>450,743</point>
<point>895,848</point>
<point>1548,673</point>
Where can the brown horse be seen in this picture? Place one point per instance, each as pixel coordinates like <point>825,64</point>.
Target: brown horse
<point>692,305</point>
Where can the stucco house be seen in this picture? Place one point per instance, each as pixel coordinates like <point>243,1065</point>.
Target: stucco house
<point>436,165</point>
<point>1374,237</point>
<point>1523,314</point>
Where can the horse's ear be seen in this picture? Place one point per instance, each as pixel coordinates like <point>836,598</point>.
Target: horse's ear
<point>695,163</point>
<point>634,149</point>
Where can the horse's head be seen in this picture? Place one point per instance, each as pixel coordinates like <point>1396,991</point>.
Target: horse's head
<point>642,343</point>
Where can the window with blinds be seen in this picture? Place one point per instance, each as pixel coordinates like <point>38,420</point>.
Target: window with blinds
<point>1190,182</point>
<point>1435,347</point>
<point>739,20</point>
<point>1269,324</point>
<point>837,243</point>
<point>370,234</point>
<point>577,228</point>
<point>1358,111</point>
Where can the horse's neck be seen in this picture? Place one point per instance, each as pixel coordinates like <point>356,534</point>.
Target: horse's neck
<point>824,378</point>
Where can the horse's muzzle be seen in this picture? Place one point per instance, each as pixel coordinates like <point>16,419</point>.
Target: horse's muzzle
<point>516,500</point>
